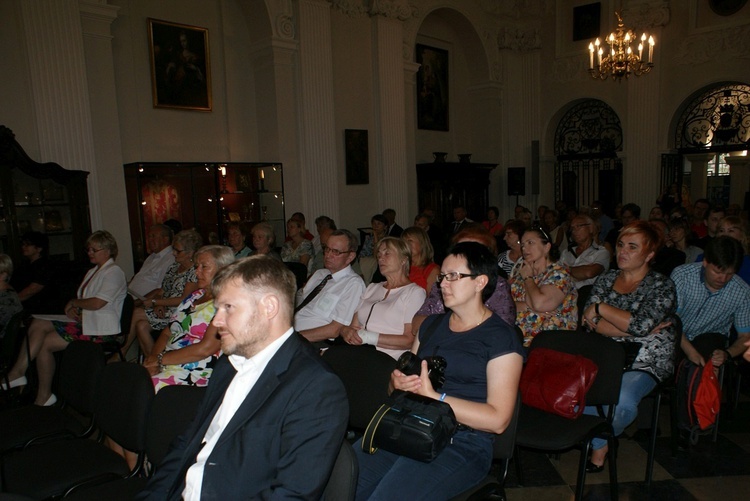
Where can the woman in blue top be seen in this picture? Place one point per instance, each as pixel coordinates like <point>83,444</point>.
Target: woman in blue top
<point>484,360</point>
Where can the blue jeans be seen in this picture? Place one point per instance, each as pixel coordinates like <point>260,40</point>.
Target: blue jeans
<point>635,385</point>
<point>462,465</point>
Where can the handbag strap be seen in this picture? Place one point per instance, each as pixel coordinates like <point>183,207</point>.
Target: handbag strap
<point>368,439</point>
<point>432,327</point>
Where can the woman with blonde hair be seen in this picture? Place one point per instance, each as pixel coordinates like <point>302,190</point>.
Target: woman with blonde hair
<point>423,269</point>
<point>383,317</point>
<point>91,316</point>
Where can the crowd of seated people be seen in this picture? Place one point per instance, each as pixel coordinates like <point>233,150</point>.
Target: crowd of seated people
<point>632,299</point>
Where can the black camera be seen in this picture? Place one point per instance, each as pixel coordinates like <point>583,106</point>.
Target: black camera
<point>410,364</point>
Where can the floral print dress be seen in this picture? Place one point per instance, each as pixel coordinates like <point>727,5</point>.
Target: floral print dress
<point>188,325</point>
<point>564,317</point>
<point>173,285</point>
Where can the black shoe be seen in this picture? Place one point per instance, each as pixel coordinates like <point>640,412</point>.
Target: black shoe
<point>593,468</point>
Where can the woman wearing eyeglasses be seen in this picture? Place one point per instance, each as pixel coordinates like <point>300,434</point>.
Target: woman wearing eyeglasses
<point>92,315</point>
<point>544,292</point>
<point>483,366</point>
<point>179,282</point>
<point>383,317</point>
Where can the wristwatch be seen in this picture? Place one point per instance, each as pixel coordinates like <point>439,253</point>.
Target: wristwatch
<point>158,360</point>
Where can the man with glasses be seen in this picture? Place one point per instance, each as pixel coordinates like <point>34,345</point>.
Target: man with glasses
<point>151,274</point>
<point>587,260</point>
<point>331,295</point>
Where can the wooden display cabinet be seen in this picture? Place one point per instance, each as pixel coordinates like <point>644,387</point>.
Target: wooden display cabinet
<point>41,197</point>
<point>205,196</point>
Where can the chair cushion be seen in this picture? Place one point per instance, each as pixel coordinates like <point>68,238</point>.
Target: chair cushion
<point>124,489</point>
<point>21,425</point>
<point>541,430</point>
<point>50,469</point>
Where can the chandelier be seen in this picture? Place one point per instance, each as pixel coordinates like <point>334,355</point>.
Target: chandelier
<point>621,61</point>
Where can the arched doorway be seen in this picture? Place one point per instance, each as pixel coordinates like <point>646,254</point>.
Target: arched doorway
<point>713,127</point>
<point>587,139</point>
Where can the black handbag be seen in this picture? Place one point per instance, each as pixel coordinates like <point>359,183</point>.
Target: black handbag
<point>411,425</point>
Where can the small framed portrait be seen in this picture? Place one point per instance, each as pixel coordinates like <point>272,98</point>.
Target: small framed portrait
<point>180,66</point>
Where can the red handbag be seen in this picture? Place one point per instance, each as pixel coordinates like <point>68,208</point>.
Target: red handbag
<point>557,382</point>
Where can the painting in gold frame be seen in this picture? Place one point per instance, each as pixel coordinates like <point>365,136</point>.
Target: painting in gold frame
<point>180,66</point>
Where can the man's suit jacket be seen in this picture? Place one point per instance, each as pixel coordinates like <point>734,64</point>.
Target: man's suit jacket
<point>282,441</point>
<point>395,231</point>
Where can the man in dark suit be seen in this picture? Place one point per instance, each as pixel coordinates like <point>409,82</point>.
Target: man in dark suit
<point>273,418</point>
<point>393,230</point>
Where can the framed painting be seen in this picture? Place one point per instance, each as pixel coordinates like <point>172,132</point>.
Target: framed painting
<point>586,21</point>
<point>432,88</point>
<point>180,66</point>
<point>356,150</point>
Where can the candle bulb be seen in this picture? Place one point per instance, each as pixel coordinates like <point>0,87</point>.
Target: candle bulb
<point>651,49</point>
<point>601,51</point>
<point>262,174</point>
<point>640,51</point>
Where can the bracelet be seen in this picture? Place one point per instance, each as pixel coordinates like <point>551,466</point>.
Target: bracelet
<point>442,397</point>
<point>158,360</point>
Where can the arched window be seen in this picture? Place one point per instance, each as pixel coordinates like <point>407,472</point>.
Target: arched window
<point>715,121</point>
<point>587,140</point>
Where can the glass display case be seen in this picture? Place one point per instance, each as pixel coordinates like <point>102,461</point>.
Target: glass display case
<point>41,197</point>
<point>205,196</point>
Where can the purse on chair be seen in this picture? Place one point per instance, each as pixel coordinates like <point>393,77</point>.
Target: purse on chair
<point>410,425</point>
<point>557,382</point>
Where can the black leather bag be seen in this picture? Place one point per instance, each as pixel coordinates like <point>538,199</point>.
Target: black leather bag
<point>411,425</point>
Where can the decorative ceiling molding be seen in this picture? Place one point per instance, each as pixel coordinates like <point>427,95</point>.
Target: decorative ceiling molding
<point>516,9</point>
<point>646,15</point>
<point>519,39</point>
<point>393,9</point>
<point>727,45</point>
<point>351,8</point>
<point>569,69</point>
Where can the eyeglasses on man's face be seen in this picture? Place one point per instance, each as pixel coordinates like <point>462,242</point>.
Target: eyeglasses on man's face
<point>335,252</point>
<point>453,276</point>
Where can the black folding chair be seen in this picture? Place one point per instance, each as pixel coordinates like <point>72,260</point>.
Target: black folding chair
<point>547,432</point>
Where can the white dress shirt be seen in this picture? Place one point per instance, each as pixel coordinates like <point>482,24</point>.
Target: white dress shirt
<point>336,302</point>
<point>152,272</point>
<point>249,371</point>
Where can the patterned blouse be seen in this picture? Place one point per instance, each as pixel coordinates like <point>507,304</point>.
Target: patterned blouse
<point>505,263</point>
<point>564,317</point>
<point>173,285</point>
<point>188,325</point>
<point>290,254</point>
<point>653,302</point>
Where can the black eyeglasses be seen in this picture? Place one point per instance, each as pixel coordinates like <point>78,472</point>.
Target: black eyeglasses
<point>453,276</point>
<point>335,252</point>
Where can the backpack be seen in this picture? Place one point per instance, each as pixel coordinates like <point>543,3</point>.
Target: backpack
<point>698,398</point>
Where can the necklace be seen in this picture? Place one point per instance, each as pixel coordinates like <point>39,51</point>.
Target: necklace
<point>484,312</point>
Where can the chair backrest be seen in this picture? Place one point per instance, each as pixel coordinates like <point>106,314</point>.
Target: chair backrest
<point>172,410</point>
<point>342,485</point>
<point>583,296</point>
<point>126,314</point>
<point>80,366</point>
<point>606,353</point>
<point>300,273</point>
<point>10,341</point>
<point>123,399</point>
<point>505,443</point>
<point>365,373</point>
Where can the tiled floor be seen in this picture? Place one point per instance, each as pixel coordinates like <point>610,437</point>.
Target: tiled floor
<point>708,471</point>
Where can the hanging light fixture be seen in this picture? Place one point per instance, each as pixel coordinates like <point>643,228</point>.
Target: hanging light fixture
<point>621,61</point>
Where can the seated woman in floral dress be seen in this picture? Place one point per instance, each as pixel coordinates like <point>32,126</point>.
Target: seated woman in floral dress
<point>188,348</point>
<point>545,294</point>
